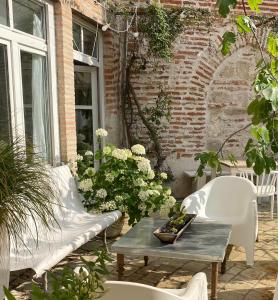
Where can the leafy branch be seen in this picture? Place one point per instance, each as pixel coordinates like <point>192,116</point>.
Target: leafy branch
<point>262,146</point>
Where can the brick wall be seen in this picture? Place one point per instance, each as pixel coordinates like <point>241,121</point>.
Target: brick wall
<point>210,92</point>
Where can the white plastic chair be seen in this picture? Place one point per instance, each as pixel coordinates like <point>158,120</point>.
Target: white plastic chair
<point>195,290</point>
<point>229,200</point>
<point>265,184</point>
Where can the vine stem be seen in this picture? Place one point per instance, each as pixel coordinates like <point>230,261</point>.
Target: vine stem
<point>230,136</point>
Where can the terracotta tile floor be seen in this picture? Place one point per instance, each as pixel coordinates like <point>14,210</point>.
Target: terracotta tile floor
<point>239,282</point>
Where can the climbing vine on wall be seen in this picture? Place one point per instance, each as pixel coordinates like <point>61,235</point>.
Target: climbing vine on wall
<point>150,45</point>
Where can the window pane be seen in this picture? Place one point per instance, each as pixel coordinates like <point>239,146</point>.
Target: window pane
<point>83,88</point>
<point>84,128</point>
<point>35,99</point>
<point>4,12</point>
<point>29,17</point>
<point>90,43</point>
<point>5,128</point>
<point>77,37</point>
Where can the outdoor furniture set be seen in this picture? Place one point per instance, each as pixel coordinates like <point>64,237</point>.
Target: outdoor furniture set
<point>226,214</point>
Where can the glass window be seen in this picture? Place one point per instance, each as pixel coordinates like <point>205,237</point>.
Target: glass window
<point>4,19</point>
<point>5,125</point>
<point>85,41</point>
<point>90,43</point>
<point>35,99</point>
<point>83,88</point>
<point>84,128</point>
<point>29,17</point>
<point>77,37</point>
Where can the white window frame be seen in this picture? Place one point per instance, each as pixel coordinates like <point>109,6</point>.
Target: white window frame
<point>18,41</point>
<point>97,64</point>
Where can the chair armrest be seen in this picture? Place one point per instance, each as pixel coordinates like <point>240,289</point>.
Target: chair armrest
<point>197,288</point>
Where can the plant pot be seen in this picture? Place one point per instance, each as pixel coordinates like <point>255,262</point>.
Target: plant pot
<point>171,238</point>
<point>4,260</point>
<point>116,228</point>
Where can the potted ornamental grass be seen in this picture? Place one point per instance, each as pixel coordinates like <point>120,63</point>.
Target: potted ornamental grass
<point>26,192</point>
<point>124,180</point>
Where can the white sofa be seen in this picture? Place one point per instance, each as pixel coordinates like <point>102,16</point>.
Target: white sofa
<point>229,200</point>
<point>196,289</point>
<point>76,227</point>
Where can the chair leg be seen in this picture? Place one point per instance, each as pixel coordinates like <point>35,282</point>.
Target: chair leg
<point>272,206</point>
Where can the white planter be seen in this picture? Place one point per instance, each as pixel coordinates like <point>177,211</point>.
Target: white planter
<point>4,261</point>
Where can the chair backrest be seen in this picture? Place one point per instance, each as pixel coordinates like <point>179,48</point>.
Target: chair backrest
<point>265,183</point>
<point>229,196</point>
<point>67,189</point>
<point>136,291</point>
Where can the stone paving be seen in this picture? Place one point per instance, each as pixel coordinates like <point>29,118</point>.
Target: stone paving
<point>239,282</point>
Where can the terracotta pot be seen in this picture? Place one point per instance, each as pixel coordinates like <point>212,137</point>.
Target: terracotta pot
<point>4,260</point>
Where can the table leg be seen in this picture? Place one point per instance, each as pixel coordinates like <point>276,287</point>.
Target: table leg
<point>120,265</point>
<point>214,280</point>
<point>227,255</point>
<point>146,260</point>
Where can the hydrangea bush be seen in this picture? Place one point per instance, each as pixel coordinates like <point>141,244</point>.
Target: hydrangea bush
<point>124,180</point>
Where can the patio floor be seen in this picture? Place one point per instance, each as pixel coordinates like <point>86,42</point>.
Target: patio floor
<point>239,282</point>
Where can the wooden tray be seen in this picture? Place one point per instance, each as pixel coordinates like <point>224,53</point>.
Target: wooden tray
<point>171,238</point>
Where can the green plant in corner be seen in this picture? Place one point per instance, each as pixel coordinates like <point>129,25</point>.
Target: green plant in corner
<point>262,147</point>
<point>81,283</point>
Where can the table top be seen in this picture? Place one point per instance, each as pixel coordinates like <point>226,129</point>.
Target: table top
<point>237,164</point>
<point>201,241</point>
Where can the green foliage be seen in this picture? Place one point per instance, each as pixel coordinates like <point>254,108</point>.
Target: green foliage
<point>209,158</point>
<point>254,5</point>
<point>161,26</point>
<point>244,24</point>
<point>229,38</point>
<point>272,44</point>
<point>81,283</point>
<point>225,6</point>
<point>124,181</point>
<point>159,114</point>
<point>26,190</point>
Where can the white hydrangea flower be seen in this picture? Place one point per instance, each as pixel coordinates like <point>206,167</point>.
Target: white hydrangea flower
<point>107,150</point>
<point>138,149</point>
<point>90,172</point>
<point>108,206</point>
<point>154,192</point>
<point>101,193</point>
<point>119,154</point>
<point>143,195</point>
<point>86,185</point>
<point>101,132</point>
<point>151,174</point>
<point>79,157</point>
<point>89,153</point>
<point>168,192</point>
<point>165,208</point>
<point>164,175</point>
<point>144,165</point>
<point>128,153</point>
<point>109,177</point>
<point>139,182</point>
<point>119,198</point>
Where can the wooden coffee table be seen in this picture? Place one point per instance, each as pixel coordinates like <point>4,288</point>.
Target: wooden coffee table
<point>201,241</point>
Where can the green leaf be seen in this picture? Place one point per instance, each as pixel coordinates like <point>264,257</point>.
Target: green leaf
<point>229,38</point>
<point>225,6</point>
<point>8,294</point>
<point>244,24</point>
<point>254,4</point>
<point>272,45</point>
